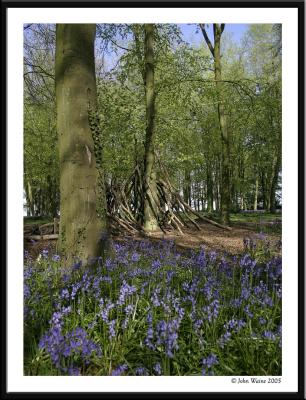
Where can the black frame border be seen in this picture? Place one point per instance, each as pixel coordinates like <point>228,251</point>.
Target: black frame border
<point>6,4</point>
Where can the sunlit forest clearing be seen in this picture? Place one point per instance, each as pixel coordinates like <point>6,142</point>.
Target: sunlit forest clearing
<point>152,198</point>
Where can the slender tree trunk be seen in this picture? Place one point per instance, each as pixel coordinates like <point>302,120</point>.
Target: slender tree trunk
<point>210,194</point>
<point>256,194</point>
<point>277,160</point>
<point>242,202</point>
<point>150,190</point>
<point>187,186</point>
<point>225,175</point>
<point>225,152</point>
<point>80,227</point>
<point>274,183</point>
<point>29,199</point>
<point>263,189</point>
<point>267,192</point>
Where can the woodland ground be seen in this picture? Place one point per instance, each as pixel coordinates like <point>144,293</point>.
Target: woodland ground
<point>244,226</point>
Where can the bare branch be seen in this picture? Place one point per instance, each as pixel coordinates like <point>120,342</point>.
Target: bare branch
<point>118,45</point>
<point>40,70</point>
<point>209,44</point>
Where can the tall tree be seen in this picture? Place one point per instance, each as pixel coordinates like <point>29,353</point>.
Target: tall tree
<point>225,175</point>
<point>149,186</point>
<point>80,227</point>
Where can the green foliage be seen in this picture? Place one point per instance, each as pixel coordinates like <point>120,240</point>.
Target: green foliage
<point>41,166</point>
<point>187,128</point>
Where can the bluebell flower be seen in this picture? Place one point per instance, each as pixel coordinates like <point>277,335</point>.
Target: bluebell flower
<point>66,310</point>
<point>261,320</point>
<point>234,325</point>
<point>211,311</point>
<point>111,327</point>
<point>247,311</point>
<point>154,298</point>
<point>156,264</point>
<point>245,293</point>
<point>224,339</point>
<point>210,361</point>
<point>279,332</point>
<point>167,335</point>
<point>212,257</point>
<point>142,371</point>
<point>45,253</point>
<point>109,264</point>
<point>66,278</point>
<point>119,370</point>
<point>207,290</point>
<point>105,309</point>
<point>106,278</point>
<point>157,369</point>
<point>180,310</point>
<point>201,260</point>
<point>236,303</point>
<point>75,288</point>
<point>76,266</point>
<point>170,275</point>
<point>56,320</point>
<point>64,294</point>
<point>129,309</point>
<point>28,272</point>
<point>53,342</point>
<point>26,291</point>
<point>150,332</point>
<point>92,324</point>
<point>135,257</point>
<point>73,371</point>
<point>269,335</point>
<point>125,291</point>
<point>143,287</point>
<point>197,324</point>
<point>267,300</point>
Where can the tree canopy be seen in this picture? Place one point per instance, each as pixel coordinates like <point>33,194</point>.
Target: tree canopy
<point>187,129</point>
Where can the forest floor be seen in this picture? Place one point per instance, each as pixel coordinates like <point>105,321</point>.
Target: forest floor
<point>212,237</point>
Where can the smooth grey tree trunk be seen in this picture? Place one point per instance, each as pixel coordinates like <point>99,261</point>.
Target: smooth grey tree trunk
<point>225,153</point>
<point>150,191</point>
<point>80,227</point>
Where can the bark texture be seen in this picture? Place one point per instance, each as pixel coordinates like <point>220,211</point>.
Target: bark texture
<point>225,153</point>
<point>150,190</point>
<point>80,227</point>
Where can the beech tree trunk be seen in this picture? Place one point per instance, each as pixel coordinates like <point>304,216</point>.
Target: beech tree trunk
<point>210,194</point>
<point>225,174</point>
<point>149,187</point>
<point>80,228</point>
<point>273,186</point>
<point>187,186</point>
<point>225,153</point>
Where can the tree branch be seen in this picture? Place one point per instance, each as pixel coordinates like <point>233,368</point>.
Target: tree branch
<point>41,70</point>
<point>209,44</point>
<point>118,45</point>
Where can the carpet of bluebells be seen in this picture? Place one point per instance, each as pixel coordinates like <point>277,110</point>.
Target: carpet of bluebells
<point>152,310</point>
